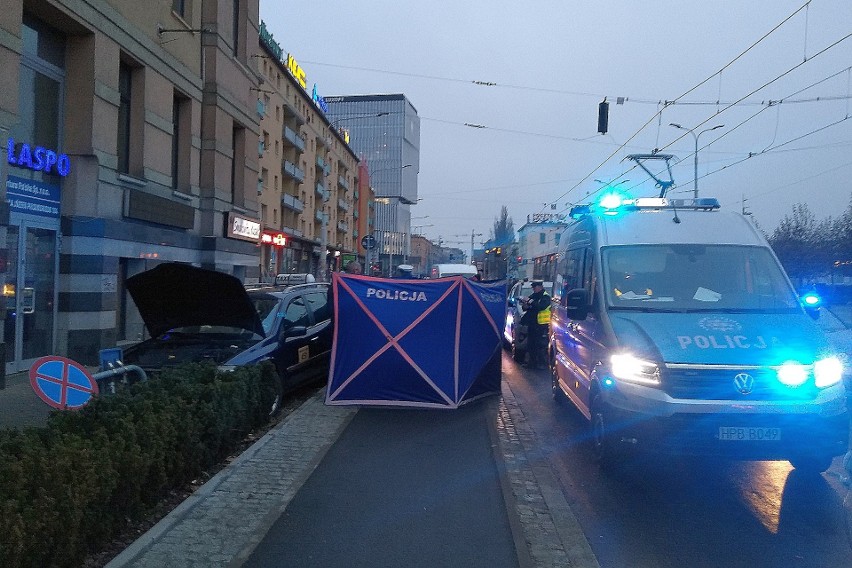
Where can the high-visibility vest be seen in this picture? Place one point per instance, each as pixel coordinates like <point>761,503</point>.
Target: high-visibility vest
<point>543,317</point>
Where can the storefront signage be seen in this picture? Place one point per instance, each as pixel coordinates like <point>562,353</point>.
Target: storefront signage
<point>267,40</point>
<point>242,228</point>
<point>545,218</point>
<point>39,159</point>
<point>296,71</point>
<point>318,100</point>
<point>276,239</point>
<point>32,197</point>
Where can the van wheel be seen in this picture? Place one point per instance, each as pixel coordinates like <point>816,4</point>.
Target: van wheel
<point>554,380</point>
<point>607,450</point>
<point>811,464</point>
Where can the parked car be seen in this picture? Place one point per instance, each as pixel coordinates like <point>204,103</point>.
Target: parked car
<point>515,334</point>
<point>298,278</point>
<point>195,315</point>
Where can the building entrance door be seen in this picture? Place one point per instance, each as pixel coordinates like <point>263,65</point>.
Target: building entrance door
<point>30,292</point>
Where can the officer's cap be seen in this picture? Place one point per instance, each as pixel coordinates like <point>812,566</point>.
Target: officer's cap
<point>538,283</point>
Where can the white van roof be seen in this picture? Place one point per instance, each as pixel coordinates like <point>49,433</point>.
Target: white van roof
<point>455,269</point>
<point>694,227</point>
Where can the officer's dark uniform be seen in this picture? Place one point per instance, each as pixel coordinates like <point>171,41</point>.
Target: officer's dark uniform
<point>538,301</point>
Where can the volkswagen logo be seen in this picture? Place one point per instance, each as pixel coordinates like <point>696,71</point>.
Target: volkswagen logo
<point>744,383</point>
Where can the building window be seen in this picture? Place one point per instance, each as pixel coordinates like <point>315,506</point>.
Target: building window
<point>236,27</point>
<point>238,146</point>
<point>542,238</point>
<point>125,84</point>
<point>180,141</point>
<point>179,7</point>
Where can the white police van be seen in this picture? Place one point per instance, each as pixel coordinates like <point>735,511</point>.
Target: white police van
<point>674,329</point>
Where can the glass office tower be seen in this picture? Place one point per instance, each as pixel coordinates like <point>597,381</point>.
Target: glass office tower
<point>384,131</point>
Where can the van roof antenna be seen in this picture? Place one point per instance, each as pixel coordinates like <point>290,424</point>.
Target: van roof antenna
<point>663,184</point>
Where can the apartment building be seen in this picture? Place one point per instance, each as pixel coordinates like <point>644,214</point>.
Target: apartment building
<point>130,130</point>
<point>310,187</point>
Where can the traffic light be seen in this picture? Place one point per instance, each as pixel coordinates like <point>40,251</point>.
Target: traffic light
<point>603,116</point>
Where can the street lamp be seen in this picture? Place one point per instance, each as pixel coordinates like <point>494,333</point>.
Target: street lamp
<point>345,118</point>
<point>694,135</point>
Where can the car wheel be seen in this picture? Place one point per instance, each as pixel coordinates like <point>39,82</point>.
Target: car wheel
<point>607,450</point>
<point>813,464</point>
<point>517,354</point>
<point>278,399</point>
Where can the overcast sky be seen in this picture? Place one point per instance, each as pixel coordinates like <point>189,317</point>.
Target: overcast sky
<point>553,61</point>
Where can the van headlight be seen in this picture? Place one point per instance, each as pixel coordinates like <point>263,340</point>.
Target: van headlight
<point>828,371</point>
<point>627,367</point>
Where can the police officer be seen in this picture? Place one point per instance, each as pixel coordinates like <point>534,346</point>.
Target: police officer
<point>537,320</point>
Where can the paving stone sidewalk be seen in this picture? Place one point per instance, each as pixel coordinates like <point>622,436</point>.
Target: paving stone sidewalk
<point>223,521</point>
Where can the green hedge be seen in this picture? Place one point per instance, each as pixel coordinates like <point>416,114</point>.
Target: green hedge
<point>71,487</point>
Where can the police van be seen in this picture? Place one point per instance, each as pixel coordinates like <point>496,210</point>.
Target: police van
<point>675,329</point>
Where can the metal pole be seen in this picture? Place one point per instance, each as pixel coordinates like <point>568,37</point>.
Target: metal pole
<point>695,179</point>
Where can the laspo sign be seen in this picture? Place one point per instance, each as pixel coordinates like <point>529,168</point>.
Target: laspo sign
<point>37,158</point>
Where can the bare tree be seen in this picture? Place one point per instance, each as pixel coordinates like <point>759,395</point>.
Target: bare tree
<point>503,231</point>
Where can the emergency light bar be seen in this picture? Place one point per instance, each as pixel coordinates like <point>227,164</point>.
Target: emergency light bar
<point>610,205</point>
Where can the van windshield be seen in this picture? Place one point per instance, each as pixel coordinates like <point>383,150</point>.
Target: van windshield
<point>696,278</point>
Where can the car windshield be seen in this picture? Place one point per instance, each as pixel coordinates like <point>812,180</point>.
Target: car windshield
<point>267,310</point>
<point>696,278</point>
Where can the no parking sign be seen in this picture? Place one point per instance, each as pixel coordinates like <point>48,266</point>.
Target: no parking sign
<point>62,383</point>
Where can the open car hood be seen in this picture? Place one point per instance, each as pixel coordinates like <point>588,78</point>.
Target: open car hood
<point>178,295</point>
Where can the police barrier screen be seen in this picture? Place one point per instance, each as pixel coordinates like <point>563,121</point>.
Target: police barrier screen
<point>426,343</point>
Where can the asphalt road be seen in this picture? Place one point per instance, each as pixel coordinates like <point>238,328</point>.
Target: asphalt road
<point>678,512</point>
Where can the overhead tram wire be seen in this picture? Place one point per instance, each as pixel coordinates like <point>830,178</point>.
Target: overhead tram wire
<point>715,115</point>
<point>743,122</point>
<point>659,112</point>
<point>627,99</point>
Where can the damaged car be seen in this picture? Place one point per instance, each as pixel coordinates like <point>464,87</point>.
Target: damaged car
<point>198,315</point>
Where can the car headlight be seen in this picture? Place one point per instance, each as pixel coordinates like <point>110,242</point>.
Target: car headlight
<point>629,368</point>
<point>828,371</point>
<point>226,368</point>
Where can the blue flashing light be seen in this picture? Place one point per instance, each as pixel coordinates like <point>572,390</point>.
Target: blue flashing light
<point>611,201</point>
<point>793,374</point>
<point>608,382</point>
<point>812,300</point>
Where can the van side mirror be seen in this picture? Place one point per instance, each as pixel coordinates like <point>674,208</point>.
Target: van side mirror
<point>577,303</point>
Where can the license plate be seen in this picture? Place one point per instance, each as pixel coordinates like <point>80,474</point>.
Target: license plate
<point>748,434</point>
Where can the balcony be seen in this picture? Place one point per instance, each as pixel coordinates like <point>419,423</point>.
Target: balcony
<point>341,181</point>
<point>293,140</point>
<point>323,165</point>
<point>261,148</point>
<point>342,205</point>
<point>259,186</point>
<point>320,216</point>
<point>291,113</point>
<point>357,195</point>
<point>291,202</point>
<point>355,233</point>
<point>261,108</point>
<point>322,191</point>
<point>292,171</point>
<point>342,226</point>
<point>355,213</point>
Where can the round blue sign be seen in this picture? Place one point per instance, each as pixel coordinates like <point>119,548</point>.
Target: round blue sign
<point>62,383</point>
